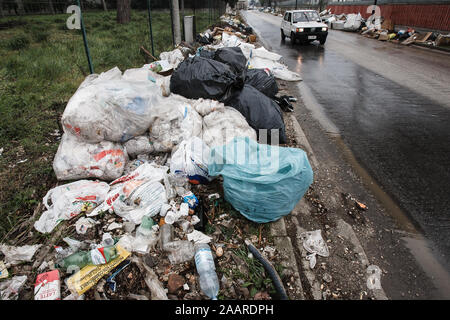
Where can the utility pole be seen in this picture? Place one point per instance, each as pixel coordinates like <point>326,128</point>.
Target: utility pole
<point>296,4</point>
<point>176,30</point>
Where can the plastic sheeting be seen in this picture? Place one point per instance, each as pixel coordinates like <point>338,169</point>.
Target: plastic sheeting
<point>16,255</point>
<point>78,160</point>
<point>70,200</point>
<point>113,110</point>
<point>353,22</point>
<point>274,178</point>
<point>223,125</point>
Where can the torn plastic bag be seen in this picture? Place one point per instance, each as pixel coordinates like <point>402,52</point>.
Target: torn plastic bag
<point>260,112</point>
<point>114,110</point>
<point>15,255</point>
<point>263,81</point>
<point>224,124</point>
<point>145,200</point>
<point>138,145</point>
<point>198,77</point>
<point>175,120</point>
<point>314,244</point>
<point>174,57</point>
<point>191,158</point>
<point>79,160</point>
<point>68,201</point>
<point>123,187</point>
<point>274,178</point>
<point>233,57</point>
<point>9,289</point>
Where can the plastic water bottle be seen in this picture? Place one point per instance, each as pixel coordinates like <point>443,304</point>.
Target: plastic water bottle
<point>204,262</point>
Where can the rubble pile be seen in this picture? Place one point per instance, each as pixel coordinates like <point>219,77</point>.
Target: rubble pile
<point>383,30</point>
<point>143,208</point>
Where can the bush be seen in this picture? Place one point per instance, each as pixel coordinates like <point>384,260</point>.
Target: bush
<point>18,42</point>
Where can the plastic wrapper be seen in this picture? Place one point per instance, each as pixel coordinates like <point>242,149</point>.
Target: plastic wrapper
<point>138,145</point>
<point>68,201</point>
<point>263,81</point>
<point>223,125</point>
<point>260,112</point>
<point>274,178</point>
<point>198,77</point>
<point>113,110</point>
<point>174,57</point>
<point>76,159</point>
<point>315,245</point>
<point>15,255</point>
<point>175,120</point>
<point>9,289</point>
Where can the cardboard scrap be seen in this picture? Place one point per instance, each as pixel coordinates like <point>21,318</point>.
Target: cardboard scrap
<point>87,277</point>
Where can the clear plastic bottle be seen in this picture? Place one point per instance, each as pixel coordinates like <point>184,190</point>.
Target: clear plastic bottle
<point>204,262</point>
<point>146,236</point>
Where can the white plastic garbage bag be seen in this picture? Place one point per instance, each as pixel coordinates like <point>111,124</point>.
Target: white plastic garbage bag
<point>206,106</point>
<point>191,158</point>
<point>174,57</point>
<point>76,159</point>
<point>16,255</point>
<point>68,201</point>
<point>146,75</point>
<point>262,58</point>
<point>221,126</point>
<point>175,121</point>
<point>314,244</point>
<point>113,110</point>
<point>9,289</point>
<point>353,22</point>
<point>138,145</point>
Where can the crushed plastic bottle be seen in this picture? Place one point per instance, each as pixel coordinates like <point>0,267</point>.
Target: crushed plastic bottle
<point>204,262</point>
<point>146,235</point>
<point>180,251</point>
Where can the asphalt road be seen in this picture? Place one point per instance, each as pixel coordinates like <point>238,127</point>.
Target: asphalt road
<point>390,104</point>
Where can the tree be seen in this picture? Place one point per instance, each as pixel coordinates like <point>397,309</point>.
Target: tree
<point>123,11</point>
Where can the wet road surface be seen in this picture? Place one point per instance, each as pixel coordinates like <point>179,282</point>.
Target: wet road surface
<point>391,106</point>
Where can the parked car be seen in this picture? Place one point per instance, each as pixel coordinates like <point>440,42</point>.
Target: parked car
<point>303,25</point>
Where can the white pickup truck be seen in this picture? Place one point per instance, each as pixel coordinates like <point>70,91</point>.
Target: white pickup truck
<point>304,25</point>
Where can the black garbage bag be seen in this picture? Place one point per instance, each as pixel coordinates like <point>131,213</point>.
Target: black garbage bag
<point>260,111</point>
<point>199,77</point>
<point>207,54</point>
<point>262,80</point>
<point>233,57</point>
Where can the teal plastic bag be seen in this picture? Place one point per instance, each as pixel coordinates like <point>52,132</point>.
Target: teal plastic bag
<point>262,182</point>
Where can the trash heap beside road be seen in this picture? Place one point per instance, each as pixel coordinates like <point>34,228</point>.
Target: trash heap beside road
<point>140,211</point>
<point>383,30</point>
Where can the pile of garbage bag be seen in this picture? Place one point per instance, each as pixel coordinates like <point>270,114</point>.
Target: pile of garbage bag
<point>134,146</point>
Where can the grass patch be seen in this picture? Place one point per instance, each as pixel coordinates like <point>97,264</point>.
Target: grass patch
<point>41,67</point>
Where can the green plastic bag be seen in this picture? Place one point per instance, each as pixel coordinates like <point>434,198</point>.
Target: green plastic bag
<point>262,182</point>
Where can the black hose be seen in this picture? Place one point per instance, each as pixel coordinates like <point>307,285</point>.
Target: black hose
<point>270,270</point>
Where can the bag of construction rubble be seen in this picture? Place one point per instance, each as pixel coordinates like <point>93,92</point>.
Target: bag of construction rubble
<point>260,112</point>
<point>175,121</point>
<point>274,178</point>
<point>262,80</point>
<point>198,77</point>
<point>68,201</point>
<point>233,57</point>
<point>76,159</point>
<point>223,125</point>
<point>113,110</point>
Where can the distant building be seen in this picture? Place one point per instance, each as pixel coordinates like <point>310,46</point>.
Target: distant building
<point>242,5</point>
